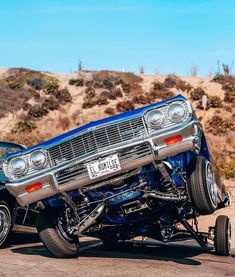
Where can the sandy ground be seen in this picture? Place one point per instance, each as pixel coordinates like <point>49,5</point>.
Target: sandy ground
<point>27,257</point>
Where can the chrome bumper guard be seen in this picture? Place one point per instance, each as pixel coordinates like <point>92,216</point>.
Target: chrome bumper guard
<point>134,155</point>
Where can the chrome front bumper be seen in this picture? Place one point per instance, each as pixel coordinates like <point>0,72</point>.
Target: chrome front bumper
<point>136,157</point>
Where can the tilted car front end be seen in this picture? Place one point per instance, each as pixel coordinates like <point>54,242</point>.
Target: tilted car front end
<point>102,149</point>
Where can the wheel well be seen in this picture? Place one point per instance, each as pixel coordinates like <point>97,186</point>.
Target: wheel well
<point>6,196</point>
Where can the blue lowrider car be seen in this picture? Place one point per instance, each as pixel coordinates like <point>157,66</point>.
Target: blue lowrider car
<point>13,217</point>
<point>146,172</point>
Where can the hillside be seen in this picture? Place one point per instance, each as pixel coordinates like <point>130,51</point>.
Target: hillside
<point>36,106</point>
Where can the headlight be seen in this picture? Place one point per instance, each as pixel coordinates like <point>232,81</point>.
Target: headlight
<point>176,112</point>
<point>18,166</point>
<point>38,159</point>
<point>155,119</point>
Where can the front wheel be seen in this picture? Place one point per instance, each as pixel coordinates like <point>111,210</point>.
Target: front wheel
<point>5,222</point>
<point>222,239</point>
<point>52,232</point>
<point>203,188</point>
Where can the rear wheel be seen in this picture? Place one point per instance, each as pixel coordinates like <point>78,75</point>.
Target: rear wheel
<point>203,188</point>
<point>222,239</point>
<point>5,222</point>
<point>52,232</point>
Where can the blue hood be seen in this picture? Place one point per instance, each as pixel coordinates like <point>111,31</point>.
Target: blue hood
<point>102,122</point>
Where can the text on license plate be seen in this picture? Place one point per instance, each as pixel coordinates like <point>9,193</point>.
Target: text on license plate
<point>103,166</point>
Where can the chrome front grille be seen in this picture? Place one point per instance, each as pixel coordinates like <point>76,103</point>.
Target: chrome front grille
<point>130,156</point>
<point>93,141</point>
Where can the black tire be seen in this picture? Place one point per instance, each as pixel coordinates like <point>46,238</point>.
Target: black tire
<point>222,239</point>
<point>58,244</point>
<point>203,190</point>
<point>5,223</point>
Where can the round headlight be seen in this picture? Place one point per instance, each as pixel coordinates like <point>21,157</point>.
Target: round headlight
<point>155,119</point>
<point>38,159</point>
<point>18,166</point>
<point>176,112</point>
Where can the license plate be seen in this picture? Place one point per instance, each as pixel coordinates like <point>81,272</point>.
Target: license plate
<point>103,166</point>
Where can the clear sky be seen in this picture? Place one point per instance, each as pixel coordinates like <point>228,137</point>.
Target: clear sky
<point>166,36</point>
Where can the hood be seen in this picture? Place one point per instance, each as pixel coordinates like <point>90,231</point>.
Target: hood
<point>92,126</point>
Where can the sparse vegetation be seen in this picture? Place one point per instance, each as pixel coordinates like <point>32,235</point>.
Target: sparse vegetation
<point>25,126</point>
<point>217,125</point>
<point>125,106</point>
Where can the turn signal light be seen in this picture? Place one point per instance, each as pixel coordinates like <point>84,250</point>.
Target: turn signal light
<point>173,140</point>
<point>33,187</point>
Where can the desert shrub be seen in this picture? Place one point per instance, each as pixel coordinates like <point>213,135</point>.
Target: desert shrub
<point>172,81</point>
<point>76,82</point>
<point>125,106</point>
<point>108,84</point>
<point>212,102</point>
<point>36,83</point>
<point>26,106</point>
<point>229,169</point>
<point>159,91</point>
<point>142,99</point>
<point>169,82</point>
<point>37,111</point>
<point>87,104</point>
<point>105,94</point>
<point>11,100</point>
<point>50,103</point>
<point>37,96</point>
<point>51,86</point>
<point>90,93</point>
<point>115,93</point>
<point>126,88</point>
<point>110,111</point>
<point>229,95</point>
<point>24,126</point>
<point>102,100</point>
<point>217,125</point>
<point>197,93</point>
<point>12,83</point>
<point>63,96</point>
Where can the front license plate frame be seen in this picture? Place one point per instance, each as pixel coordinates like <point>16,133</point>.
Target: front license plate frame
<point>103,166</point>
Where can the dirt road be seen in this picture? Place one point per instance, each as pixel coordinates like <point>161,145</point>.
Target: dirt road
<point>152,259</point>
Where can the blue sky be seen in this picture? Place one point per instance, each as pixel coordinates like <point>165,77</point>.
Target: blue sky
<point>165,36</point>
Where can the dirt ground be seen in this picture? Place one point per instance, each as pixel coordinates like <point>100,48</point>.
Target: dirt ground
<point>27,257</point>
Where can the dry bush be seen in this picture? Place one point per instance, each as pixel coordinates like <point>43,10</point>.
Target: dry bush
<point>125,106</point>
<point>174,81</point>
<point>51,86</point>
<point>36,83</point>
<point>50,103</point>
<point>37,111</point>
<point>90,93</point>
<point>217,125</point>
<point>76,82</point>
<point>212,102</point>
<point>229,95</point>
<point>89,103</point>
<point>229,169</point>
<point>63,96</point>
<point>159,91</point>
<point>26,106</point>
<point>142,99</point>
<point>12,101</point>
<point>110,111</point>
<point>197,93</point>
<point>24,126</point>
